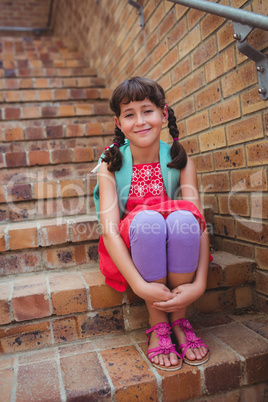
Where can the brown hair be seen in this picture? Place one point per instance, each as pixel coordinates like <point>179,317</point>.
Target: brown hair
<point>138,89</point>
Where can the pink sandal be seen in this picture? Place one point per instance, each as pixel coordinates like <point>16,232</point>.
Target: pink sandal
<point>162,330</point>
<point>191,342</point>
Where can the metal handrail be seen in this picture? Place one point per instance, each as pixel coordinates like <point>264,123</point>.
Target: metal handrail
<point>231,13</point>
<point>37,31</point>
<point>243,22</point>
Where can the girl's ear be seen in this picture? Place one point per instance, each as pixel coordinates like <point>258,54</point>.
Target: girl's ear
<point>165,114</point>
<point>117,122</point>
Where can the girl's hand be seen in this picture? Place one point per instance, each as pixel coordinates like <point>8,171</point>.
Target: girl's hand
<point>154,292</point>
<point>184,296</point>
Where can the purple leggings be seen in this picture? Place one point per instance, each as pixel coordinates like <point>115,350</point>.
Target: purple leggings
<point>161,245</point>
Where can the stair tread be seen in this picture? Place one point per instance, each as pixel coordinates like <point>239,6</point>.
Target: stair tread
<point>116,366</point>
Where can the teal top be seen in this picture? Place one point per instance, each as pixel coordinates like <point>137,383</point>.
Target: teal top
<point>171,177</point>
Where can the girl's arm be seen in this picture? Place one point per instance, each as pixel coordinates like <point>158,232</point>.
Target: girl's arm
<point>187,293</point>
<point>116,247</point>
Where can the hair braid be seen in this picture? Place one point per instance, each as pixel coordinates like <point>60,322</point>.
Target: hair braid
<point>112,155</point>
<point>177,152</point>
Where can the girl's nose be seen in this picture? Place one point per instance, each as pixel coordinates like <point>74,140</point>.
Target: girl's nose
<point>140,119</point>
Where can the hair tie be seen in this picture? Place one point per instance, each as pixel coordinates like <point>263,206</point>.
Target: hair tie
<point>174,139</point>
<point>115,143</point>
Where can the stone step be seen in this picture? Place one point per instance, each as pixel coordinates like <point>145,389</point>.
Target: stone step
<point>50,83</point>
<point>114,366</point>
<point>30,96</point>
<point>56,290</point>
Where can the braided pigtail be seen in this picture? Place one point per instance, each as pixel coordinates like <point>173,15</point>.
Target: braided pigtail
<point>177,152</point>
<point>112,155</point>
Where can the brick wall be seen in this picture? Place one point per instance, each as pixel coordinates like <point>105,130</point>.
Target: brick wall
<point>213,88</point>
<point>24,13</point>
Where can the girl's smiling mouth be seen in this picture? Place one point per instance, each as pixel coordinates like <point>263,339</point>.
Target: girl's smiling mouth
<point>143,131</point>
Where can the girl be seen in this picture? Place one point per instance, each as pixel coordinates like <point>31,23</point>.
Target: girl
<point>150,240</point>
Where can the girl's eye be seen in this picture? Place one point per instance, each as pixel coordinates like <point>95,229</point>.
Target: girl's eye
<point>148,111</point>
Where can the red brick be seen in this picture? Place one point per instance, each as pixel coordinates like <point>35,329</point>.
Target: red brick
<point>210,95</point>
<point>261,256</point>
<point>49,111</point>
<point>19,192</point>
<point>204,53</point>
<point>216,182</point>
<point>136,379</point>
<point>224,112</point>
<point>84,230</point>
<point>177,33</point>
<point>12,113</point>
<point>71,188</point>
<point>225,35</point>
<point>224,62</point>
<point>73,368</point>
<point>101,295</point>
<point>12,96</point>
<point>234,204</point>
<point>44,372</point>
<point>66,110</point>
<point>6,383</point>
<point>253,350</point>
<point>209,24</point>
<point>239,79</point>
<point>74,130</point>
<point>212,140</point>
<point>231,159</point>
<point>30,298</point>
<point>52,233</point>
<point>252,231</point>
<point>54,131</point>
<point>190,145</point>
<point>257,153</point>
<point>245,130</point>
<point>185,108</point>
<point>5,291</point>
<point>64,257</point>
<point>83,154</point>
<point>45,190</point>
<point>96,129</point>
<point>25,337</point>
<point>252,102</point>
<point>38,158</point>
<point>28,96</point>
<point>28,240</point>
<point>14,134</point>
<point>203,163</point>
<point>61,155</point>
<point>198,122</point>
<point>31,112</point>
<point>68,294</point>
<point>224,226</point>
<point>14,159</point>
<point>259,206</point>
<point>189,42</point>
<point>249,180</point>
<point>34,133</point>
<point>170,60</point>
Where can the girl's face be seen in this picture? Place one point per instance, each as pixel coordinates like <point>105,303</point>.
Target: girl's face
<point>141,122</point>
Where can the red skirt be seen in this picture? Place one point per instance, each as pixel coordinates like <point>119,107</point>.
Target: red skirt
<point>112,275</point>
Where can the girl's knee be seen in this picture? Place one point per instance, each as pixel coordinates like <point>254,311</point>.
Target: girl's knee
<point>182,223</point>
<point>148,223</point>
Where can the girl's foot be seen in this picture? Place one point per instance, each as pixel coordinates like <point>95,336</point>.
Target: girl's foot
<point>161,352</point>
<point>194,351</point>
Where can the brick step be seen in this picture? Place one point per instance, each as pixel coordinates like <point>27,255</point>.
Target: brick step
<point>115,367</point>
<point>46,72</point>
<point>50,83</point>
<point>72,290</point>
<point>14,64</point>
<point>28,111</point>
<point>48,232</point>
<point>32,48</point>
<point>40,130</point>
<point>44,95</point>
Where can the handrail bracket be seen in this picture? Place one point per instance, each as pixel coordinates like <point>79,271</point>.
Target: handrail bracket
<point>139,7</point>
<point>261,60</point>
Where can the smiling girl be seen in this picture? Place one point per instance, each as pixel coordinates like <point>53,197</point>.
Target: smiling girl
<point>150,240</point>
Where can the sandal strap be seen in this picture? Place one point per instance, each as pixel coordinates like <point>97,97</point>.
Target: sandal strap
<point>162,350</point>
<point>161,329</point>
